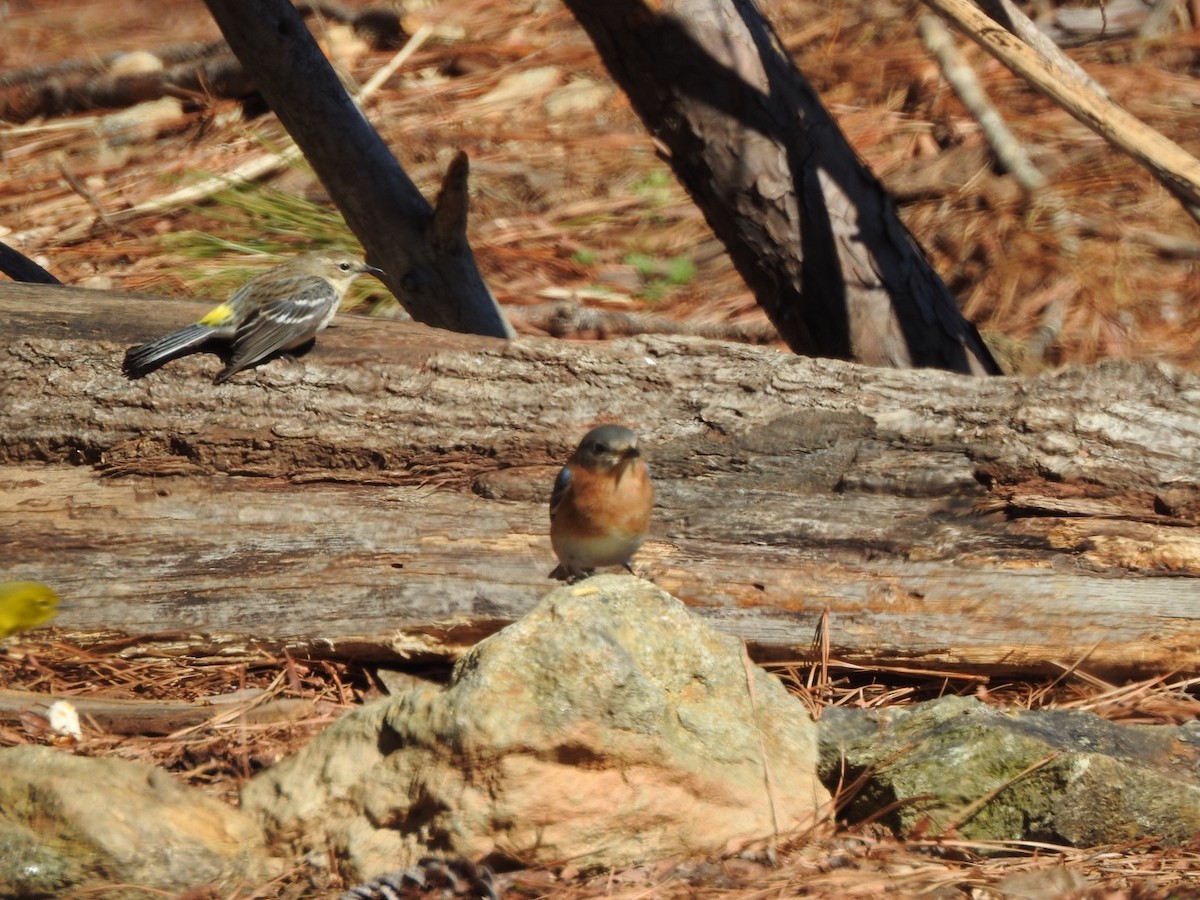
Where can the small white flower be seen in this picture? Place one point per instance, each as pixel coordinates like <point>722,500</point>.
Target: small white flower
<point>64,720</point>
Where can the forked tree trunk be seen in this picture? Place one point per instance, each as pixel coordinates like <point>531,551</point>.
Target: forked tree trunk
<point>811,230</point>
<point>422,249</point>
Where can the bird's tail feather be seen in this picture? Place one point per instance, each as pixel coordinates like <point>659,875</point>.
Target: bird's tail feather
<point>145,358</point>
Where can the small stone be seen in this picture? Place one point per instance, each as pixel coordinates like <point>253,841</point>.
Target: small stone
<point>581,95</point>
<point>519,88</point>
<point>956,765</point>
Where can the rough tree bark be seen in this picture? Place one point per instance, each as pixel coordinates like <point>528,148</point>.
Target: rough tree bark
<point>811,230</point>
<point>423,250</point>
<point>386,493</point>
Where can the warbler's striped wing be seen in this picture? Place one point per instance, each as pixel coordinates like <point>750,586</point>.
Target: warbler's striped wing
<point>284,323</point>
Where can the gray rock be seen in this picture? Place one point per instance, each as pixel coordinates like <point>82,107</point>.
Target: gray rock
<point>608,726</point>
<point>1057,775</point>
<point>68,822</point>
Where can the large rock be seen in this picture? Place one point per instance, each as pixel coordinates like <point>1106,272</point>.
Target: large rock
<point>70,822</point>
<point>959,765</point>
<point>609,725</point>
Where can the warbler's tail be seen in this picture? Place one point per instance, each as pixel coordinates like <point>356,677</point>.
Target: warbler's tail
<point>145,358</point>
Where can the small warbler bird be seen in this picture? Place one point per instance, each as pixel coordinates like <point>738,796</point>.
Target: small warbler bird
<point>25,605</point>
<point>281,309</point>
<point>601,504</point>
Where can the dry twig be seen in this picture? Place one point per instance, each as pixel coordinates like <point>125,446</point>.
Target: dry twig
<point>1175,168</point>
<point>957,71</point>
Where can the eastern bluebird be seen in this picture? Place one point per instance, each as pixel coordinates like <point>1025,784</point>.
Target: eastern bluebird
<point>600,508</point>
<point>281,309</point>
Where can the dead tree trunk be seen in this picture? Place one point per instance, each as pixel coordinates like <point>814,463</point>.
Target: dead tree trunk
<point>811,230</point>
<point>386,493</point>
<point>423,250</point>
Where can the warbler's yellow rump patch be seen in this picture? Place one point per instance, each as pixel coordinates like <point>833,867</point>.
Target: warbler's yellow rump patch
<point>217,315</point>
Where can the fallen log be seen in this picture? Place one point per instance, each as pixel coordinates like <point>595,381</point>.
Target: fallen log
<point>385,494</point>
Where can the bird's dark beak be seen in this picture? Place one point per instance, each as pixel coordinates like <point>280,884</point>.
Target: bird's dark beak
<point>631,453</point>
<point>371,270</point>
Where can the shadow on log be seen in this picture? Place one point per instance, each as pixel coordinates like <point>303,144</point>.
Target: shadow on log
<point>385,495</point>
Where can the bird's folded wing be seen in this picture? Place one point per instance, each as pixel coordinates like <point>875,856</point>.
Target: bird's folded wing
<point>285,322</point>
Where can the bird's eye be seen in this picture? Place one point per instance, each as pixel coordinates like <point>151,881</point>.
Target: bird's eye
<point>345,266</point>
<point>600,448</point>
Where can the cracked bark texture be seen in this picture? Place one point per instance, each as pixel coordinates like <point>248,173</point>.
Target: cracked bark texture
<point>385,494</point>
<point>810,229</point>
